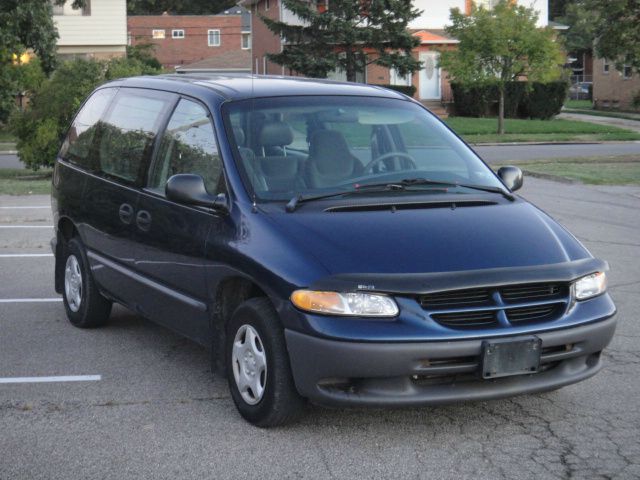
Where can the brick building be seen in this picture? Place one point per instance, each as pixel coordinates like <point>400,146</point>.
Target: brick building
<point>185,39</point>
<point>614,89</point>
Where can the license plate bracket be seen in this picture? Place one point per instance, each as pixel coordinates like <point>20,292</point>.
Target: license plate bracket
<point>510,356</point>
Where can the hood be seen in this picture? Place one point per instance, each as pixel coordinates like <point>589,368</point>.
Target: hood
<point>427,240</point>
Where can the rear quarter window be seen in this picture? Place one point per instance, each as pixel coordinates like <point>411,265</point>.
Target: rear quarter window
<point>78,146</point>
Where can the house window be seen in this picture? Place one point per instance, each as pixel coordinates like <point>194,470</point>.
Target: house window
<point>177,33</point>
<point>266,5</point>
<point>397,79</point>
<point>626,71</point>
<point>157,34</point>
<point>213,38</point>
<point>245,41</point>
<point>605,65</point>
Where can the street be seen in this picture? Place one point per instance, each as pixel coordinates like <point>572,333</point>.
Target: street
<point>144,404</point>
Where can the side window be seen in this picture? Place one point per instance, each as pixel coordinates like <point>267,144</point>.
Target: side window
<point>77,147</point>
<point>188,146</point>
<point>128,132</point>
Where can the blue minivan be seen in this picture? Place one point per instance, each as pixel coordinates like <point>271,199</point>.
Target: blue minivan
<point>329,242</point>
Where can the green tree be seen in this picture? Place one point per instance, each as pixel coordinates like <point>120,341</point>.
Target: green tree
<point>501,45</point>
<point>617,30</point>
<point>178,7</point>
<point>347,36</point>
<point>25,25</point>
<point>41,127</point>
<point>581,33</point>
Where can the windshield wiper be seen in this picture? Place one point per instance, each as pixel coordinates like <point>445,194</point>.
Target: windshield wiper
<point>409,182</point>
<point>397,186</point>
<point>298,199</point>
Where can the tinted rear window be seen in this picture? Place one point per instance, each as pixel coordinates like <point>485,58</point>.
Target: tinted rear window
<point>129,130</point>
<point>77,147</point>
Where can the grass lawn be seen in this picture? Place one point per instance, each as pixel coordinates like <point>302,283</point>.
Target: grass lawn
<point>482,130</point>
<point>24,182</point>
<point>5,136</point>
<point>579,104</point>
<point>614,170</point>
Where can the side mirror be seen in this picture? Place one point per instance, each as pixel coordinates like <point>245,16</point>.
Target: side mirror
<point>512,177</point>
<point>189,189</point>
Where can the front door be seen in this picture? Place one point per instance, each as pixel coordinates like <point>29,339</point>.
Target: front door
<point>429,76</point>
<point>171,237</point>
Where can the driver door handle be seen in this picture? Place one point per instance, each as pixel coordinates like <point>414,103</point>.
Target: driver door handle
<point>143,220</point>
<point>125,213</point>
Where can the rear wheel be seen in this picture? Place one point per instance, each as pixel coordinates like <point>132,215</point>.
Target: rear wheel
<point>84,304</point>
<point>258,368</point>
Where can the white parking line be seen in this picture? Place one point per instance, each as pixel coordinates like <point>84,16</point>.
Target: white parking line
<point>21,255</point>
<point>29,300</point>
<point>24,207</point>
<point>26,226</point>
<point>62,378</point>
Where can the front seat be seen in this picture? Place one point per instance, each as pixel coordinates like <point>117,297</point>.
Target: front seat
<point>330,160</point>
<point>281,172</point>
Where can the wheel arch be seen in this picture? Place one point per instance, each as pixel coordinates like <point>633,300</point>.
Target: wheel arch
<point>230,293</point>
<point>65,231</point>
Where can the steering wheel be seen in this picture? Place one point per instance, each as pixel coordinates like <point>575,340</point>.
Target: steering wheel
<point>408,161</point>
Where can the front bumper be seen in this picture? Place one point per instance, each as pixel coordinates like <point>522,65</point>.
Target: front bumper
<point>340,373</point>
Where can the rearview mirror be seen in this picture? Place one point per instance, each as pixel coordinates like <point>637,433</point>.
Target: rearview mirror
<point>189,189</point>
<point>512,177</point>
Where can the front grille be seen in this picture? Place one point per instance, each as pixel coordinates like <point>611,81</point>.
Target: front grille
<point>532,314</point>
<point>456,298</point>
<point>538,291</point>
<point>500,305</point>
<point>482,318</point>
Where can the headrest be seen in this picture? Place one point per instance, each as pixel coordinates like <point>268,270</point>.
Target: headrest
<point>238,133</point>
<point>275,134</point>
<point>327,143</point>
<point>330,153</point>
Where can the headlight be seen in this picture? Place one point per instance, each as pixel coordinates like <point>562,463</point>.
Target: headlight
<point>590,286</point>
<point>352,304</point>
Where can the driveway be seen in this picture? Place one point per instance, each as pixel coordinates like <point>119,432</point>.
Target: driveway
<point>517,153</point>
<point>144,404</point>
<point>613,121</point>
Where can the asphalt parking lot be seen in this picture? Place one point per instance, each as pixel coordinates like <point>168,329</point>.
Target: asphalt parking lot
<point>146,406</point>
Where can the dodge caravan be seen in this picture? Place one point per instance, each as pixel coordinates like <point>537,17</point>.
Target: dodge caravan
<point>329,242</point>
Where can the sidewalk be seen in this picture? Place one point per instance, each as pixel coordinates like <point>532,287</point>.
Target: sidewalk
<point>633,125</point>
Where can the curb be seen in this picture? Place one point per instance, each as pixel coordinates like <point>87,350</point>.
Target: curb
<point>554,178</point>
<point>8,152</point>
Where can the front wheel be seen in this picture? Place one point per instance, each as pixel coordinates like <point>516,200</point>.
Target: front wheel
<point>85,305</point>
<point>258,367</point>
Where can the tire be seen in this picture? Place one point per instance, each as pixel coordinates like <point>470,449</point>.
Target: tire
<point>278,403</point>
<point>85,306</point>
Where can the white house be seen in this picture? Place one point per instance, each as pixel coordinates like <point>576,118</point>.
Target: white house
<point>98,30</point>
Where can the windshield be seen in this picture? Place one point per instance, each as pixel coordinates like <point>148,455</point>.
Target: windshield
<point>309,146</point>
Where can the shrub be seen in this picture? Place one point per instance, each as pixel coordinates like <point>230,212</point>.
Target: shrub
<point>522,99</point>
<point>40,128</point>
<point>544,100</point>
<point>473,99</point>
<point>409,90</point>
